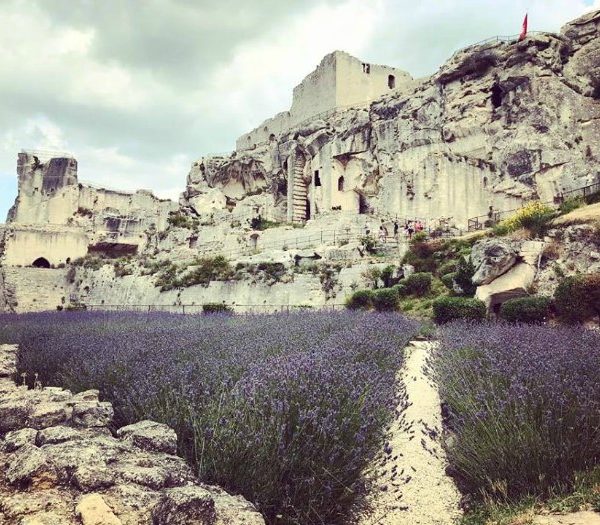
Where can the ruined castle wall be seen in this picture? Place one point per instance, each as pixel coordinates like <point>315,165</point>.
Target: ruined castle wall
<point>36,289</point>
<point>358,82</point>
<point>24,245</point>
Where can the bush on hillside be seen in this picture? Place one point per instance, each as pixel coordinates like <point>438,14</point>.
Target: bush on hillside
<point>216,308</point>
<point>448,280</point>
<point>385,300</point>
<point>534,217</point>
<point>577,298</point>
<point>446,309</point>
<point>418,283</point>
<point>361,299</point>
<point>464,276</point>
<point>532,309</point>
<point>447,267</point>
<point>387,276</point>
<point>400,290</point>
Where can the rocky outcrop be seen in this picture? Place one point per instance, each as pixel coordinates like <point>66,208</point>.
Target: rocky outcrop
<point>61,465</point>
<point>491,258</point>
<point>505,269</point>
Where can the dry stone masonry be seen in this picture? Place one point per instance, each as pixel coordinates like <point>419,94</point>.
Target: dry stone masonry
<point>61,465</point>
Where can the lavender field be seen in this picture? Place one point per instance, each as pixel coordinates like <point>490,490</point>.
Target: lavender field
<point>287,410</point>
<point>523,405</point>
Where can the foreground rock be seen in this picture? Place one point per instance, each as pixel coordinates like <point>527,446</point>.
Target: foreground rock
<point>60,465</point>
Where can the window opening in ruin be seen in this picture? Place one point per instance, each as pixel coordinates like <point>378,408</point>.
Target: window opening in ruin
<point>317,179</point>
<point>307,210</point>
<point>366,68</point>
<point>341,183</point>
<point>391,81</point>
<point>496,96</point>
<point>272,136</point>
<point>41,262</point>
<point>363,207</point>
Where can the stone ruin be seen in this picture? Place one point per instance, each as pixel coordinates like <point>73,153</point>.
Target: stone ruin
<point>499,124</point>
<point>62,465</point>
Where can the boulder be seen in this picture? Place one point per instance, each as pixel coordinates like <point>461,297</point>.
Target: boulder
<point>492,258</point>
<point>30,466</point>
<point>514,283</point>
<point>17,438</point>
<point>151,436</point>
<point>49,414</point>
<point>14,412</point>
<point>184,505</point>
<point>93,510</point>
<point>8,366</point>
<point>92,414</point>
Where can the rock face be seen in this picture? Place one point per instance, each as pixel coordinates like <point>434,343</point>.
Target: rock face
<point>492,258</point>
<point>505,270</point>
<point>499,124</point>
<point>60,464</point>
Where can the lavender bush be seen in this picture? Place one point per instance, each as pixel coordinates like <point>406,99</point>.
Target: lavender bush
<point>523,403</point>
<point>287,410</point>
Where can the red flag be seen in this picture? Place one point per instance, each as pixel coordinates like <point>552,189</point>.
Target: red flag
<point>524,30</point>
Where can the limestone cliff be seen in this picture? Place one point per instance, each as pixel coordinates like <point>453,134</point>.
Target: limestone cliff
<point>499,123</point>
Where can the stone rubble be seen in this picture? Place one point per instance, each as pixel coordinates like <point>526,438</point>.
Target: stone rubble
<point>61,465</point>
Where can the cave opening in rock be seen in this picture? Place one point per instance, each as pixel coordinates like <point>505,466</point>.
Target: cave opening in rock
<point>496,96</point>
<point>391,81</point>
<point>41,262</point>
<point>341,183</point>
<point>317,179</point>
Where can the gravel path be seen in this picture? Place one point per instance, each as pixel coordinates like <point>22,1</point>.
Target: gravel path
<point>412,487</point>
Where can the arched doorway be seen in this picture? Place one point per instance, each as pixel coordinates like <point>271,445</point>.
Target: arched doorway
<point>41,262</point>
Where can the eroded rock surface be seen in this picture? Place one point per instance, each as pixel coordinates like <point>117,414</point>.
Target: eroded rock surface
<point>61,465</point>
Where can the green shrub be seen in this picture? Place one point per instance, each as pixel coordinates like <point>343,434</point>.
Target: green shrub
<point>387,276</point>
<point>372,275</point>
<point>179,220</point>
<point>369,243</point>
<point>448,280</point>
<point>385,300</point>
<point>571,204</point>
<point>447,309</point>
<point>400,289</point>
<point>447,267</point>
<point>361,299</point>
<point>464,275</point>
<point>577,298</point>
<point>418,238</point>
<point>418,283</point>
<point>532,309</point>
<point>216,308</point>
<point>534,216</point>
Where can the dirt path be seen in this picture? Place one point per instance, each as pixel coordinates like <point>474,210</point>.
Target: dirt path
<point>412,487</point>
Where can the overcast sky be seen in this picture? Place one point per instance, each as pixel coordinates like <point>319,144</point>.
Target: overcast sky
<point>139,89</point>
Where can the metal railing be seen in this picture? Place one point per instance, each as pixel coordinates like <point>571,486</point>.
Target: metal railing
<point>191,309</point>
<point>500,38</point>
<point>491,219</point>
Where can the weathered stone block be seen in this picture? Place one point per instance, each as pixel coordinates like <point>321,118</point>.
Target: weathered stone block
<point>149,435</point>
<point>184,505</point>
<point>31,466</point>
<point>92,414</point>
<point>17,438</point>
<point>93,510</point>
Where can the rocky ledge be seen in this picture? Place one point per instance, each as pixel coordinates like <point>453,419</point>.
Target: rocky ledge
<point>61,465</point>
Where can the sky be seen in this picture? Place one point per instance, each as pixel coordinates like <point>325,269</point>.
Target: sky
<point>137,90</point>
